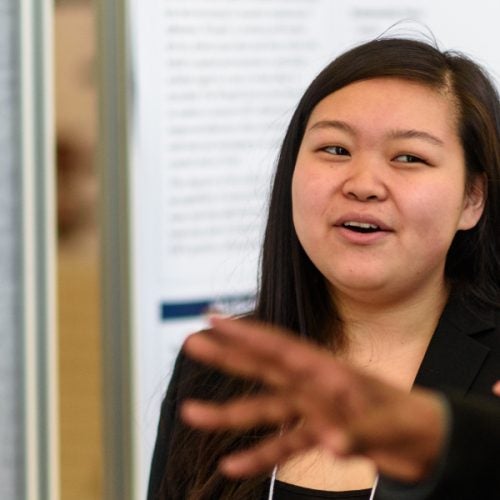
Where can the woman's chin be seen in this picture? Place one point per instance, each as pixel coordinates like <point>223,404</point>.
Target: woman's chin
<point>363,280</point>
<point>367,287</point>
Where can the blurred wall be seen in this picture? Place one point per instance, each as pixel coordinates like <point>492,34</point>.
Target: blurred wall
<point>78,259</point>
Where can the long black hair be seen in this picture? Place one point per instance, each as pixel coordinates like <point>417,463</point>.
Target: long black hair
<point>293,293</point>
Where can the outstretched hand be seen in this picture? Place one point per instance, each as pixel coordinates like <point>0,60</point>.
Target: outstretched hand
<point>316,400</point>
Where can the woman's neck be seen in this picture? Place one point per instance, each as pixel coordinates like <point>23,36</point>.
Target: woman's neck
<point>377,333</point>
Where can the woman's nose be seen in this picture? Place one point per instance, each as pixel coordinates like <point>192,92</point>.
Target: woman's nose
<point>364,182</point>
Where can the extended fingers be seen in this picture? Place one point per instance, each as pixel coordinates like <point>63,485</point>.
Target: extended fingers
<point>268,342</point>
<point>244,413</point>
<point>251,333</point>
<point>265,456</point>
<point>210,348</point>
<point>255,350</point>
<point>276,348</point>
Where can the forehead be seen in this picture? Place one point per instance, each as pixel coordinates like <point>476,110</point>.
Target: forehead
<point>390,102</point>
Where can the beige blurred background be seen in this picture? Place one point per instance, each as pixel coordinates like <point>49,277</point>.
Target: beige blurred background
<point>78,257</point>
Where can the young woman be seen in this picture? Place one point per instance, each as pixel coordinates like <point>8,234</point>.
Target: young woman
<point>381,246</point>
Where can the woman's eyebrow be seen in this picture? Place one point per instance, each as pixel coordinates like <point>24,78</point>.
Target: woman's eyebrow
<point>338,124</point>
<point>415,134</point>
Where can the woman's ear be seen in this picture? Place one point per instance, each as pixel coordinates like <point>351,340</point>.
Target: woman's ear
<point>475,198</point>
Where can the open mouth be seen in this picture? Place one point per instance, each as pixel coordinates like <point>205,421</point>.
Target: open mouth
<point>361,227</point>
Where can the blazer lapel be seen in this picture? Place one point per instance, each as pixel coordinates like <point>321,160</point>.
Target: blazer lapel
<point>454,356</point>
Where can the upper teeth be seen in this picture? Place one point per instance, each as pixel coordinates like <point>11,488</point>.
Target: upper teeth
<point>363,225</point>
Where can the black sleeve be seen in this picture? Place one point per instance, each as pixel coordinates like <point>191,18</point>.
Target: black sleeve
<point>473,461</point>
<point>163,437</point>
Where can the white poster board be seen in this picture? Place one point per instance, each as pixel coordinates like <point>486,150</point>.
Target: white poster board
<point>213,85</point>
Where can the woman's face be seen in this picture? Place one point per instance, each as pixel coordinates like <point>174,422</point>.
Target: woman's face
<point>379,187</point>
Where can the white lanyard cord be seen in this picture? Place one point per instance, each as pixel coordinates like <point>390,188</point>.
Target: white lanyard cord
<point>374,487</point>
<point>273,482</point>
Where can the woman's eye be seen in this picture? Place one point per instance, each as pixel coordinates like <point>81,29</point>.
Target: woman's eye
<point>409,159</point>
<point>336,150</point>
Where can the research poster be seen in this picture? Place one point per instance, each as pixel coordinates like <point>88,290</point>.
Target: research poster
<point>214,84</point>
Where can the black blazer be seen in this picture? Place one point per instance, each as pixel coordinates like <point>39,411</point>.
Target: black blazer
<point>463,358</point>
